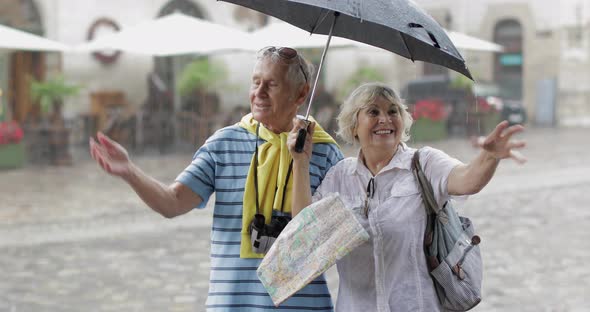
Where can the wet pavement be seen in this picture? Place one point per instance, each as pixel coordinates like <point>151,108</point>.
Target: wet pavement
<point>75,239</point>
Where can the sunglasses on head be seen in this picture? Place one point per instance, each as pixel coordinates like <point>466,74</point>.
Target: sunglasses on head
<point>284,53</point>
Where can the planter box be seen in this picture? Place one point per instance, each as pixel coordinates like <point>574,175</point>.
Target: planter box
<point>490,121</point>
<point>482,123</point>
<point>12,156</point>
<point>428,130</point>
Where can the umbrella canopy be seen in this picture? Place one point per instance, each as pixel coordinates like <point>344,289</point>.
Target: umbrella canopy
<point>399,26</point>
<point>286,35</point>
<point>173,34</point>
<point>13,39</point>
<point>466,42</point>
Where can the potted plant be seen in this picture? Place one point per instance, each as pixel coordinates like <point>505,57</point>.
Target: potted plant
<point>430,118</point>
<point>50,131</point>
<point>198,84</point>
<point>50,94</point>
<point>12,152</point>
<point>482,114</point>
<point>362,75</point>
<point>201,76</point>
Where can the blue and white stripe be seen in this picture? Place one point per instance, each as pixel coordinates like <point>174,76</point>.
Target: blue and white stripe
<point>221,165</point>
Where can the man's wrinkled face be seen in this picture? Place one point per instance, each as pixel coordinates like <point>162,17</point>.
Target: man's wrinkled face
<point>273,99</point>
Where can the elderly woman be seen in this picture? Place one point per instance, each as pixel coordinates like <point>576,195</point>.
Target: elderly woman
<point>389,272</point>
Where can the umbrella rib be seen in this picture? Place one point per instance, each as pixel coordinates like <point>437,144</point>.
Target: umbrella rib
<point>319,20</point>
<point>406,46</point>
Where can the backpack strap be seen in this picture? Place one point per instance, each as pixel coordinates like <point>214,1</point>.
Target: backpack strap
<point>431,209</point>
<point>425,186</point>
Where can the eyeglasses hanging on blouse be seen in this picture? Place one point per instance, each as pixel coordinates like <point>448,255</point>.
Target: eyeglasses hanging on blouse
<point>370,194</point>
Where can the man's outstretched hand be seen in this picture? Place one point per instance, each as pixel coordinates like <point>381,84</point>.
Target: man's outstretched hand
<point>110,155</point>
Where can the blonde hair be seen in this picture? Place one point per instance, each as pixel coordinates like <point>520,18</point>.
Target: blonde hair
<point>361,98</point>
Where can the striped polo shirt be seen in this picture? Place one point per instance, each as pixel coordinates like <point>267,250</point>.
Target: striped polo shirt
<point>221,166</point>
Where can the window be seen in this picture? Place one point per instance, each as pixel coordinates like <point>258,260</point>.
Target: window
<point>508,64</point>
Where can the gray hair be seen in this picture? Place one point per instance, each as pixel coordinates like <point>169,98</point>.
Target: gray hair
<point>298,68</point>
<point>361,98</point>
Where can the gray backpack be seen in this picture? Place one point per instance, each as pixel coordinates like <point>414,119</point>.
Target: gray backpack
<point>451,248</point>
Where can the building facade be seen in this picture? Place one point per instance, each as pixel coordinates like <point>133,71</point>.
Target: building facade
<point>76,22</point>
<point>546,61</point>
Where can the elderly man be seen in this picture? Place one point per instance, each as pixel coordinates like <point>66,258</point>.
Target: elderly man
<point>248,166</point>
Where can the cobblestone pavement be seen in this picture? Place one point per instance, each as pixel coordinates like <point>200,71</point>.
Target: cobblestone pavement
<point>75,239</point>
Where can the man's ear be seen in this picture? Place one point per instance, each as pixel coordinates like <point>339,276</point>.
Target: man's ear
<point>302,94</point>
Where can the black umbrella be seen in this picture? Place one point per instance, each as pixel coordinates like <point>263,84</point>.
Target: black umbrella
<point>399,26</point>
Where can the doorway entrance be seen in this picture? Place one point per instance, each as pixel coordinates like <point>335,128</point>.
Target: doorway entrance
<point>19,67</point>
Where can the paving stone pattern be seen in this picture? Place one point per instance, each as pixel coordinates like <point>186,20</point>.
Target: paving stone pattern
<point>75,239</point>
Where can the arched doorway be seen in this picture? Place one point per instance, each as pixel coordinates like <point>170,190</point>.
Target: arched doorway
<point>508,64</point>
<point>18,66</point>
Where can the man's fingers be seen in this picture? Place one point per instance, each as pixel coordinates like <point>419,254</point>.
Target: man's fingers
<point>101,161</point>
<point>298,124</point>
<point>106,141</point>
<point>96,149</point>
<point>311,128</point>
<point>101,149</point>
<point>108,168</point>
<point>92,148</point>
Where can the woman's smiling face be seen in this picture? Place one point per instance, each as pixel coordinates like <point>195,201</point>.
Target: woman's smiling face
<point>379,125</point>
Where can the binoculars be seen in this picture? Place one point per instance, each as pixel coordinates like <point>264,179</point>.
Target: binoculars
<point>262,235</point>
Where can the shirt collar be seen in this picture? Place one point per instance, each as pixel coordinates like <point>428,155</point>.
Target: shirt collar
<point>401,160</point>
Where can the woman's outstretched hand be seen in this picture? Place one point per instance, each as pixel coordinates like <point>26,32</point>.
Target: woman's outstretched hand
<point>500,145</point>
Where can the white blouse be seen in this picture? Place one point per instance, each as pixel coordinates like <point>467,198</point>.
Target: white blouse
<point>388,273</point>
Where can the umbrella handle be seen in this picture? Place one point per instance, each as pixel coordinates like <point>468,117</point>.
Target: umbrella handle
<point>300,142</point>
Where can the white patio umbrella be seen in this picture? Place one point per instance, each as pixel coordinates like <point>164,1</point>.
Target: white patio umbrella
<point>466,42</point>
<point>14,39</point>
<point>173,34</point>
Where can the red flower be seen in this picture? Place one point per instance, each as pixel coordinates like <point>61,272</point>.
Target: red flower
<point>431,109</point>
<point>10,132</point>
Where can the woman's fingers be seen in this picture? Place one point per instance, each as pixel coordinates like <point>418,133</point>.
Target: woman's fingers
<point>518,157</point>
<point>512,130</point>
<point>498,130</point>
<point>516,144</point>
